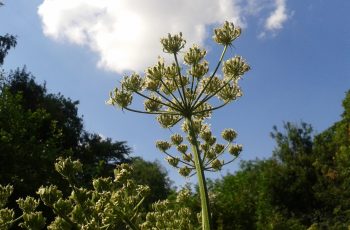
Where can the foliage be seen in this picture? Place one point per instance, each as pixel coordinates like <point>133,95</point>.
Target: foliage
<point>305,185</point>
<point>154,176</point>
<point>37,127</point>
<point>175,95</point>
<point>6,43</point>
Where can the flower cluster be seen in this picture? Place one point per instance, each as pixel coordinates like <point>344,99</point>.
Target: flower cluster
<point>227,34</point>
<point>210,150</point>
<point>31,219</point>
<point>172,214</point>
<point>189,93</point>
<point>110,204</point>
<point>173,94</point>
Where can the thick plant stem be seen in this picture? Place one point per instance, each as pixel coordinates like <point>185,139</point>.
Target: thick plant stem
<point>203,191</point>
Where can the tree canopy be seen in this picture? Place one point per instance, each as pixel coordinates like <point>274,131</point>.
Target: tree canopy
<point>304,185</point>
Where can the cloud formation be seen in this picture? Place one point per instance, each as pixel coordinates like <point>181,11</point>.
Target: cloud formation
<point>125,33</point>
<point>277,17</point>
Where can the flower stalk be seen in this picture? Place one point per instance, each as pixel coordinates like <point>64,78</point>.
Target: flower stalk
<point>203,190</point>
<point>189,97</point>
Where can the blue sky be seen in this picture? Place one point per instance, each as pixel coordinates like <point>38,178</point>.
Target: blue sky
<point>299,53</point>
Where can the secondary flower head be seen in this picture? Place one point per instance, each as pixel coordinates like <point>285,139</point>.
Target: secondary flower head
<point>163,145</point>
<point>229,135</point>
<point>120,98</point>
<point>226,34</point>
<point>173,44</point>
<point>176,139</point>
<point>235,150</point>
<point>194,55</point>
<point>133,83</point>
<point>235,67</point>
<point>173,161</point>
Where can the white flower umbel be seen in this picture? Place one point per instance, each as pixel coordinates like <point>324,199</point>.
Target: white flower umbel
<point>176,95</point>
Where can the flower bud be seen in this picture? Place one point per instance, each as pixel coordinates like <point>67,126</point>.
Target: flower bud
<point>203,111</point>
<point>211,86</point>
<point>226,34</point>
<point>182,148</point>
<point>185,171</point>
<point>81,195</point>
<point>173,161</point>
<point>5,192</point>
<point>183,196</point>
<point>194,55</point>
<point>33,220</point>
<point>152,85</point>
<point>173,44</point>
<point>120,98</point>
<point>229,93</point>
<point>6,216</point>
<point>216,164</point>
<point>211,154</point>
<point>143,190</point>
<point>102,184</point>
<point>27,205</point>
<point>211,141</point>
<point>205,134</point>
<point>49,195</point>
<point>168,87</point>
<point>63,206</point>
<point>205,147</point>
<point>199,70</point>
<point>163,146</point>
<point>68,168</point>
<point>187,157</point>
<point>133,83</point>
<point>176,139</point>
<point>122,172</point>
<point>229,135</point>
<point>167,120</point>
<point>235,150</point>
<point>156,72</point>
<point>235,67</point>
<point>153,104</point>
<point>218,148</point>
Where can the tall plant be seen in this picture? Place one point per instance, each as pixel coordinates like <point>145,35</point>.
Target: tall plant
<point>188,97</point>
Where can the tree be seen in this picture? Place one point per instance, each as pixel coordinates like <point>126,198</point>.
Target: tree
<point>6,43</point>
<point>293,189</point>
<point>333,162</point>
<point>37,127</point>
<point>154,176</point>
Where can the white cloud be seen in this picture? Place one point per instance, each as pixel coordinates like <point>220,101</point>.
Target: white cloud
<point>277,17</point>
<point>125,33</point>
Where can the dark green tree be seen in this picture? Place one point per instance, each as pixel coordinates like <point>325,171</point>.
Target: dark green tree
<point>332,148</point>
<point>276,193</point>
<point>36,127</point>
<point>6,43</point>
<point>153,175</point>
<point>304,184</point>
<point>293,189</point>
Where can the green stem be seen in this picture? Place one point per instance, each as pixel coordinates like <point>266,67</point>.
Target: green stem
<point>156,113</point>
<point>181,83</point>
<point>160,102</point>
<point>203,191</point>
<point>175,98</point>
<point>212,76</point>
<point>12,221</point>
<point>208,97</point>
